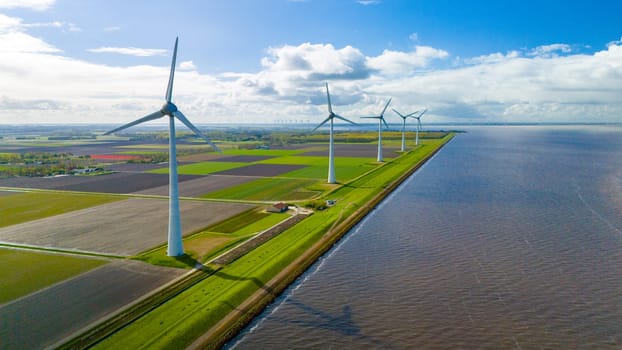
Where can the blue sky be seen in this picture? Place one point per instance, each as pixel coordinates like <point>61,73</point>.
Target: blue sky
<point>266,61</point>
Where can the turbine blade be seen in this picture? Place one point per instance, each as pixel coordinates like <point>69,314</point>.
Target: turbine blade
<point>374,117</point>
<point>385,123</point>
<point>182,118</point>
<point>385,107</point>
<point>422,113</point>
<point>344,119</point>
<point>398,113</point>
<point>330,107</point>
<point>152,116</point>
<point>411,114</point>
<point>322,123</point>
<point>169,89</point>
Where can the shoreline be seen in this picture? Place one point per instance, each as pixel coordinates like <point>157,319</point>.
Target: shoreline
<point>228,327</point>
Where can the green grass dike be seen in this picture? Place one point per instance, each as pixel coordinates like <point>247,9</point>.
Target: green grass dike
<point>215,308</point>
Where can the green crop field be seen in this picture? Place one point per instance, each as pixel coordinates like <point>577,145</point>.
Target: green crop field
<point>202,168</point>
<point>238,221</point>
<point>24,272</point>
<point>267,189</point>
<point>29,206</point>
<point>265,152</point>
<point>346,168</point>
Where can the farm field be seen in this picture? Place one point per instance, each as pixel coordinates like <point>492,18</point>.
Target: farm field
<point>110,183</point>
<point>369,150</point>
<point>27,206</point>
<point>265,170</point>
<point>32,270</point>
<point>34,322</point>
<point>123,228</point>
<point>201,185</point>
<point>202,168</point>
<point>268,189</point>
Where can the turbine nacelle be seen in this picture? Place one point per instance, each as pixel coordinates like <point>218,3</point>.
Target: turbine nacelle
<point>168,108</point>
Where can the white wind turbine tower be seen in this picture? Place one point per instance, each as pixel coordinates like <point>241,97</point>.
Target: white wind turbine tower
<point>419,125</point>
<point>175,245</point>
<point>380,121</point>
<point>331,147</point>
<point>404,126</point>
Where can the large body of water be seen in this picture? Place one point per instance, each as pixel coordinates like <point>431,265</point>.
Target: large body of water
<point>510,237</point>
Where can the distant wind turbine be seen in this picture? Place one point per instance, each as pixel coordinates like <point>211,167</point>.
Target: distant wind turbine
<point>404,117</point>
<point>331,147</point>
<point>419,125</point>
<point>380,121</point>
<point>175,245</point>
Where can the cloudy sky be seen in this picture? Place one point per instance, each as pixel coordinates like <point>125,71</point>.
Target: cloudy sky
<point>265,61</point>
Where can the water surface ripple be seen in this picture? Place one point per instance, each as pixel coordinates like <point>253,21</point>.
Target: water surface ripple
<point>511,237</point>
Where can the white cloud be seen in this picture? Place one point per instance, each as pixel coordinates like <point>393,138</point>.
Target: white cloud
<point>492,58</point>
<point>43,85</point>
<point>21,42</point>
<point>112,29</point>
<point>38,5</point>
<point>132,51</point>
<point>550,50</point>
<point>414,37</point>
<point>368,2</point>
<point>187,65</point>
<point>615,42</point>
<point>398,62</point>
<point>315,62</point>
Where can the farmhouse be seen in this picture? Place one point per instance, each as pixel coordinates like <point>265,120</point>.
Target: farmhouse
<point>279,207</point>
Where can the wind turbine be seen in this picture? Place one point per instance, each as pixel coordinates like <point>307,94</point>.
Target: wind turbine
<point>419,125</point>
<point>175,245</point>
<point>331,150</point>
<point>380,121</point>
<point>404,126</point>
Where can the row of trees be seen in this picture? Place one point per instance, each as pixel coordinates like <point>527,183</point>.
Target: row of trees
<point>41,163</point>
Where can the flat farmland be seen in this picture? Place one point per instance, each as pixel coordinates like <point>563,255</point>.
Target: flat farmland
<point>75,147</point>
<point>27,206</point>
<point>123,228</point>
<point>110,183</point>
<point>244,158</point>
<point>6,193</point>
<point>346,168</point>
<point>268,189</point>
<point>201,185</point>
<point>32,270</point>
<point>202,168</point>
<point>199,157</point>
<point>264,170</point>
<point>34,322</point>
<point>363,150</point>
<point>132,167</point>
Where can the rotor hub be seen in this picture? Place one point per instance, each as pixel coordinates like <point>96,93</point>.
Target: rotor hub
<point>168,108</point>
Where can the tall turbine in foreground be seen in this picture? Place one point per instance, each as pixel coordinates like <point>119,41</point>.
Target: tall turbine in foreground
<point>419,125</point>
<point>380,121</point>
<point>331,150</point>
<point>404,126</point>
<point>175,245</point>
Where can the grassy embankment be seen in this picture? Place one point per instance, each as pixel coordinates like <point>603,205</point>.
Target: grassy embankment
<point>30,271</point>
<point>181,320</point>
